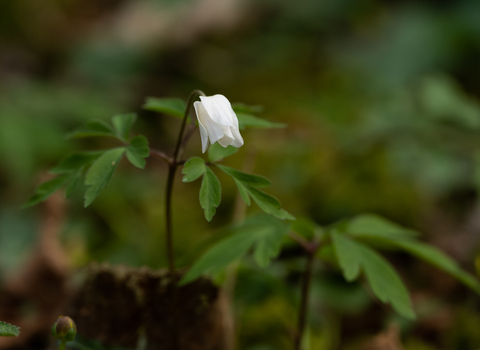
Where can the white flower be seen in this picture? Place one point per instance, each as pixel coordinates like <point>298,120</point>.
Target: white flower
<point>217,122</point>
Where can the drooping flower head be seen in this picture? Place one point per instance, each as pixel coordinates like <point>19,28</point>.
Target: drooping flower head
<point>217,122</point>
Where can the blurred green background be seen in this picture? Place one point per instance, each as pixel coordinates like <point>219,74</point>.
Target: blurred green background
<point>381,99</point>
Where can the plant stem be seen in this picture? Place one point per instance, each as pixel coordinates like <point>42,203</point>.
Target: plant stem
<point>173,165</point>
<point>302,315</point>
<point>172,168</point>
<point>63,342</point>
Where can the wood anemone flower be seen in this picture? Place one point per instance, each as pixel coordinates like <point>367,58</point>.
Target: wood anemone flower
<point>217,122</point>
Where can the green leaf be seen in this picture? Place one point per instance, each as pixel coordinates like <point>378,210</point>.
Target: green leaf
<point>251,179</point>
<point>193,169</point>
<point>46,189</point>
<point>75,161</point>
<point>243,108</point>
<point>73,182</point>
<point>243,192</point>
<point>217,152</point>
<point>270,243</point>
<point>123,123</point>
<point>221,255</point>
<point>440,260</point>
<point>268,204</point>
<point>137,151</point>
<point>384,281</point>
<point>101,172</point>
<point>307,228</point>
<point>8,330</point>
<point>248,120</point>
<point>94,128</point>
<point>374,226</point>
<point>368,227</point>
<point>171,106</point>
<point>210,193</point>
<point>265,232</point>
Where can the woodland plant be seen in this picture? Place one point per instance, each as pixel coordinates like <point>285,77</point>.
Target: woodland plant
<point>8,330</point>
<point>351,245</point>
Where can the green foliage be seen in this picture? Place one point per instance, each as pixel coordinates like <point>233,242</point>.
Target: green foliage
<point>385,283</point>
<point>375,229</point>
<point>246,117</point>
<point>94,128</point>
<point>122,124</point>
<point>354,257</point>
<point>103,163</point>
<point>217,152</point>
<point>101,172</point>
<point>46,189</point>
<point>251,121</point>
<point>210,193</point>
<point>193,169</point>
<point>307,228</point>
<point>8,330</point>
<point>248,184</point>
<point>75,162</point>
<point>137,151</point>
<point>170,106</point>
<point>243,108</point>
<point>374,226</point>
<point>262,232</point>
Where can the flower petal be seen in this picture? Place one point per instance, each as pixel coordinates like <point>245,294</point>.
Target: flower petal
<point>220,110</point>
<point>203,131</point>
<point>237,138</point>
<point>215,131</point>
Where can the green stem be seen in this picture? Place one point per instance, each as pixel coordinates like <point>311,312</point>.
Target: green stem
<point>63,342</point>
<point>172,168</point>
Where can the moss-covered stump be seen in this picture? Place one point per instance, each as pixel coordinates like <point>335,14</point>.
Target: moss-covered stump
<point>117,305</point>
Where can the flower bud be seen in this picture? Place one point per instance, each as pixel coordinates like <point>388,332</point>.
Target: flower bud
<point>64,329</point>
<point>217,122</point>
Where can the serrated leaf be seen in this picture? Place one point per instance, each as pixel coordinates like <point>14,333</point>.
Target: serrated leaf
<point>75,161</point>
<point>252,232</point>
<point>248,120</point>
<point>348,255</point>
<point>137,151</point>
<point>440,260</point>
<point>243,192</point>
<point>250,179</point>
<point>375,229</point>
<point>269,246</point>
<point>8,330</point>
<point>193,169</point>
<point>122,124</point>
<point>73,182</point>
<point>171,106</point>
<point>210,193</point>
<point>46,189</point>
<point>374,226</point>
<point>101,172</point>
<point>221,255</point>
<point>94,128</point>
<point>216,152</point>
<point>268,204</point>
<point>384,281</point>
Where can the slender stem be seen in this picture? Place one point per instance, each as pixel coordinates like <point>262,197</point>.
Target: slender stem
<point>172,168</point>
<point>62,344</point>
<point>160,155</point>
<point>173,165</point>
<point>306,244</point>
<point>302,315</point>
